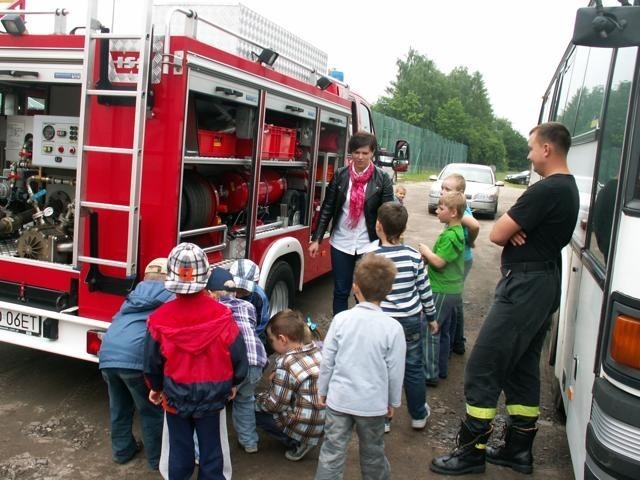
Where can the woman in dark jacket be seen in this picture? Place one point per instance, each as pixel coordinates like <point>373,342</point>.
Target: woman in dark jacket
<point>351,205</point>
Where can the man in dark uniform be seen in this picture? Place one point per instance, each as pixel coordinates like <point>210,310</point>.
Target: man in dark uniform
<point>506,355</point>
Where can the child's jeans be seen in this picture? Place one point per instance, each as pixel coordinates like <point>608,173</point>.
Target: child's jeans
<point>437,347</point>
<point>267,422</point>
<point>127,393</point>
<point>338,428</point>
<point>414,380</point>
<point>244,416</point>
<point>458,339</point>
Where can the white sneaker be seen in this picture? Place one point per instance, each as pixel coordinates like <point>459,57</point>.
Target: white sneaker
<point>421,423</point>
<point>298,453</point>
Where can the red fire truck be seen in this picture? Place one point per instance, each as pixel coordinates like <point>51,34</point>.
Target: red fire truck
<point>118,147</point>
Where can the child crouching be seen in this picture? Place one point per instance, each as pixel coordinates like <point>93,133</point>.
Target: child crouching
<point>291,410</point>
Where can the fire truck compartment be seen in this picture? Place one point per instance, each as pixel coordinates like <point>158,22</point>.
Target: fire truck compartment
<point>39,133</point>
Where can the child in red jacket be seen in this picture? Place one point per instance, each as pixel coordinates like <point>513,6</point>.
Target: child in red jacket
<point>194,358</point>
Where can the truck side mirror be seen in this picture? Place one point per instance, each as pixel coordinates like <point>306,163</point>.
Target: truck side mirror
<point>610,27</point>
<point>401,151</point>
<point>401,156</point>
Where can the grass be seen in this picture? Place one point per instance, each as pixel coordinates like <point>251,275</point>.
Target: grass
<point>424,177</point>
<point>416,177</point>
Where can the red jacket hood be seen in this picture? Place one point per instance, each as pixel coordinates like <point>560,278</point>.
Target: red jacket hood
<point>191,323</point>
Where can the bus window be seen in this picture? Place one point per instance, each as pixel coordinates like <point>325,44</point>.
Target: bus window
<point>582,94</point>
<point>602,216</point>
<point>580,106</point>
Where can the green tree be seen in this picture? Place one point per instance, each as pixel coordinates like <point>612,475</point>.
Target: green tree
<point>515,145</point>
<point>455,106</point>
<point>405,107</point>
<point>472,93</point>
<point>418,92</point>
<point>452,121</point>
<point>485,146</point>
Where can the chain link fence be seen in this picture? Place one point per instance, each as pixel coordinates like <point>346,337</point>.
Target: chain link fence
<point>429,151</point>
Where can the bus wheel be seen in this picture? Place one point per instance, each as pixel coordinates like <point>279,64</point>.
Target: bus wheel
<point>280,288</point>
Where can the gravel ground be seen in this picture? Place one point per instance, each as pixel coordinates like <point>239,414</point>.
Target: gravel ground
<point>54,410</point>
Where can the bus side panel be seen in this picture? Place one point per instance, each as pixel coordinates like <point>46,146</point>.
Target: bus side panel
<point>577,355</point>
<point>627,266</point>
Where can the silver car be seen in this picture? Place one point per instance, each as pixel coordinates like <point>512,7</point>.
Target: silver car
<point>481,192</point>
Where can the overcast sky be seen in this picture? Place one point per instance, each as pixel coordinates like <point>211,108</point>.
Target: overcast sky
<point>515,44</point>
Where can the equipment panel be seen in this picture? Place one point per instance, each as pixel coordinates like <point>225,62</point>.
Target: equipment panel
<point>55,141</point>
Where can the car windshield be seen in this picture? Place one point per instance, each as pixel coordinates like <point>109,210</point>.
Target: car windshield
<point>470,173</point>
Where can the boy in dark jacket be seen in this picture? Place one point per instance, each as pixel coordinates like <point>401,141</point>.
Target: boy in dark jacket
<point>194,359</point>
<point>121,360</point>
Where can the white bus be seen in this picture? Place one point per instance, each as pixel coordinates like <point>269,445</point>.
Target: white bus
<point>595,350</point>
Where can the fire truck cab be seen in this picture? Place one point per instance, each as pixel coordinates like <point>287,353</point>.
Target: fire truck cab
<point>118,147</point>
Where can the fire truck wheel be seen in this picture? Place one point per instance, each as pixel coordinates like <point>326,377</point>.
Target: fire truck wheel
<point>280,287</point>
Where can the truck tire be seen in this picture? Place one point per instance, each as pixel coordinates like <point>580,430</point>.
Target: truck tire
<point>280,288</point>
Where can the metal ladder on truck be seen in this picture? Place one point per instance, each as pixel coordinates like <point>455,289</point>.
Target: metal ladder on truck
<point>138,98</point>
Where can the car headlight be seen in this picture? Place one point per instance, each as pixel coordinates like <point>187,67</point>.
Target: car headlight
<point>485,197</point>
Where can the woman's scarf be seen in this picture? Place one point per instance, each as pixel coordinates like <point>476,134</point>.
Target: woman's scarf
<point>358,184</point>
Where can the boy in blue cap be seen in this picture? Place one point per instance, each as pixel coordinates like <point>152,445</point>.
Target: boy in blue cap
<point>246,275</point>
<point>222,287</point>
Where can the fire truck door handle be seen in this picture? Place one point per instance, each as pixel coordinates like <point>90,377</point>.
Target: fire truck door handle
<point>293,108</point>
<point>19,73</point>
<point>229,91</point>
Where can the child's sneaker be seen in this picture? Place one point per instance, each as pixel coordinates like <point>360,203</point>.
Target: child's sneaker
<point>248,448</point>
<point>387,424</point>
<point>431,382</point>
<point>421,423</point>
<point>137,450</point>
<point>298,453</point>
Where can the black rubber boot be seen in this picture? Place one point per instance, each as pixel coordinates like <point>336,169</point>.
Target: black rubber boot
<point>469,454</point>
<point>516,452</point>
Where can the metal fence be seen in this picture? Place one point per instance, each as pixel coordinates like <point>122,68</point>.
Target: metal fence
<point>429,151</point>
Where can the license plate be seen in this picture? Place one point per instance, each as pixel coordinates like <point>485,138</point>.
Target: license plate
<point>20,322</point>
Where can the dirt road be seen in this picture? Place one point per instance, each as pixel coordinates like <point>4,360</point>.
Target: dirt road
<point>54,411</point>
